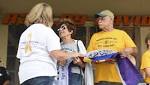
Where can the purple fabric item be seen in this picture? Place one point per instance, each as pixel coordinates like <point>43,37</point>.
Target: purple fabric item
<point>128,71</point>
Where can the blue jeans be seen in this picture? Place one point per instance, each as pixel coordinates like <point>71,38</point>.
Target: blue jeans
<point>43,80</point>
<point>75,79</point>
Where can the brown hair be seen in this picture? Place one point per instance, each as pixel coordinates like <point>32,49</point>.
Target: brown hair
<point>70,26</point>
<point>40,13</point>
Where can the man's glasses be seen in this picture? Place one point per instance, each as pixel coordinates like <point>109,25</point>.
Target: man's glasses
<point>61,28</point>
<point>100,18</point>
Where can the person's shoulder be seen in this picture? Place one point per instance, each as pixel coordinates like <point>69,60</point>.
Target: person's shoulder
<point>118,30</point>
<point>79,41</point>
<point>38,25</point>
<point>146,52</point>
<point>35,28</point>
<point>42,27</point>
<point>96,34</point>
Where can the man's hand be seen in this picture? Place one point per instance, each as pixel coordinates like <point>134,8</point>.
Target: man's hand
<point>128,51</point>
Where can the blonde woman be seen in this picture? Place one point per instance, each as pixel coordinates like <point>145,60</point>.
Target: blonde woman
<point>39,48</point>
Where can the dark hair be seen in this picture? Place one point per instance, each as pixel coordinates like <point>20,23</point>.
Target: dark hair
<point>4,75</point>
<point>70,26</point>
<point>147,38</point>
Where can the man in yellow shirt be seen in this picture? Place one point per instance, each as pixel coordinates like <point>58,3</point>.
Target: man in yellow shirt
<point>145,64</point>
<point>112,39</point>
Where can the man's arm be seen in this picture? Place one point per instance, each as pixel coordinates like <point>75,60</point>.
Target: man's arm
<point>147,71</point>
<point>129,51</point>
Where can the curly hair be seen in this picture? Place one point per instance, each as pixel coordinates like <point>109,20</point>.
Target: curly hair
<point>70,26</point>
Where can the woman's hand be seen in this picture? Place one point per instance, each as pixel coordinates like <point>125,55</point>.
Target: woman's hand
<point>78,61</point>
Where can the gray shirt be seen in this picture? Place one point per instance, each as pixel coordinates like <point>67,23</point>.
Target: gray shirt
<point>72,47</point>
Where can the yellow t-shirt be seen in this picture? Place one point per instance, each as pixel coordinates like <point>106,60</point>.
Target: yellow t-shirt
<point>115,40</point>
<point>146,63</point>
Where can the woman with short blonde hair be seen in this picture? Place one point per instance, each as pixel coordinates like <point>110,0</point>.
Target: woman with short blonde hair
<point>41,13</point>
<point>39,48</point>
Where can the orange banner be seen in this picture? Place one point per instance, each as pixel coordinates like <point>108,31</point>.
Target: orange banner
<point>81,19</point>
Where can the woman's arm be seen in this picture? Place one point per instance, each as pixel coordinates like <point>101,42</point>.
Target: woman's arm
<point>82,50</point>
<point>63,55</point>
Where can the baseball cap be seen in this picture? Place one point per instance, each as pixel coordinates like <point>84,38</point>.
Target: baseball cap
<point>104,13</point>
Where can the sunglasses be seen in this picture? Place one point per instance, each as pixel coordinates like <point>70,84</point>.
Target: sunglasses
<point>61,28</point>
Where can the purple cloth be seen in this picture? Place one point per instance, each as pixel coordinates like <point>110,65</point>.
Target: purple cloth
<point>128,71</point>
